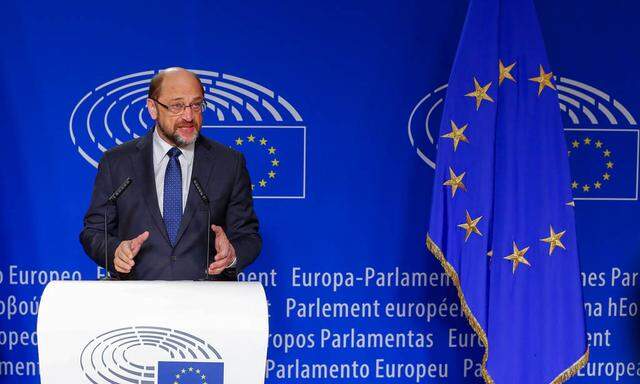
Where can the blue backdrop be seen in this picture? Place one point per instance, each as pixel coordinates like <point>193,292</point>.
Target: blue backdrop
<point>349,96</point>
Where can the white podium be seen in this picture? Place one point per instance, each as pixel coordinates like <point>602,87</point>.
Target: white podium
<point>155,332</point>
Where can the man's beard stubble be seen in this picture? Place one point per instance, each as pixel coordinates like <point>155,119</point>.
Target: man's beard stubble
<point>178,140</point>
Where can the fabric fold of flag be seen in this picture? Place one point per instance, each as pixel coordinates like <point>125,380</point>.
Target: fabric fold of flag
<point>502,216</point>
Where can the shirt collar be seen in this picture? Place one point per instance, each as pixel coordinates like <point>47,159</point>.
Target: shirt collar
<point>161,147</point>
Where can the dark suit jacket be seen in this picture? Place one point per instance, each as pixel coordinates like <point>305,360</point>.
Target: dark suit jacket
<point>224,177</point>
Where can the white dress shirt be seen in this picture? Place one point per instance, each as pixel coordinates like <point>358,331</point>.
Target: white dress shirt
<point>160,161</point>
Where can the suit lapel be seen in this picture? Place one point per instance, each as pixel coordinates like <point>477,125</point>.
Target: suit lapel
<point>203,163</point>
<point>143,168</point>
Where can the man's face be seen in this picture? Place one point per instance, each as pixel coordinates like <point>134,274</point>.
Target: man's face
<point>178,88</point>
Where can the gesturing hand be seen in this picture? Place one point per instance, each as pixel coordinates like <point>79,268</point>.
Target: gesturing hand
<point>225,253</point>
<point>126,251</point>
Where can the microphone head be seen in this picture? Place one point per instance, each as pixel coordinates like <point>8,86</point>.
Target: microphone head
<point>200,190</point>
<point>116,194</point>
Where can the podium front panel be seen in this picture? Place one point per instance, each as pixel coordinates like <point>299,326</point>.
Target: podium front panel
<point>106,332</point>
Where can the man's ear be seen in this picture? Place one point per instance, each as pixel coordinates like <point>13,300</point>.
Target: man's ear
<point>153,111</point>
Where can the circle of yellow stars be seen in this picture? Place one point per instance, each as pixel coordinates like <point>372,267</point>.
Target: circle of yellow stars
<point>190,371</point>
<point>599,146</point>
<point>457,135</point>
<point>271,150</point>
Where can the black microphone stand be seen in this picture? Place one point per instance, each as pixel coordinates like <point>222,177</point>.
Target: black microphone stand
<point>111,200</point>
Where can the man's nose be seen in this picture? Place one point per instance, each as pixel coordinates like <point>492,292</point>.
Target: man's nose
<point>187,114</point>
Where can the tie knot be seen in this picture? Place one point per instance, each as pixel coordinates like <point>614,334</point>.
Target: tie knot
<point>174,152</point>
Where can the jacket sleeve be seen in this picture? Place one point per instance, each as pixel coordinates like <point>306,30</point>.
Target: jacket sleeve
<point>241,220</point>
<point>92,236</point>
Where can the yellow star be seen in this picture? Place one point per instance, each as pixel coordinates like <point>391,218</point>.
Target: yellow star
<point>597,184</point>
<point>586,188</point>
<point>272,150</point>
<point>251,138</point>
<point>606,176</point>
<point>275,162</point>
<point>575,143</point>
<point>517,257</point>
<point>455,182</point>
<point>571,203</point>
<point>480,93</point>
<point>554,240</point>
<point>470,225</point>
<point>543,80</point>
<point>574,185</point>
<point>457,135</point>
<point>587,140</point>
<point>505,72</point>
<point>239,141</point>
<point>598,144</point>
<point>263,141</point>
<point>490,253</point>
<point>606,153</point>
<point>272,175</point>
<point>262,183</point>
<point>610,165</point>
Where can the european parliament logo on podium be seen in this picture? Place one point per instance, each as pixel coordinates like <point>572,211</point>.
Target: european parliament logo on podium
<point>144,353</point>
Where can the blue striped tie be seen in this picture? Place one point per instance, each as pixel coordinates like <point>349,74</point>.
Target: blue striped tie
<point>172,199</point>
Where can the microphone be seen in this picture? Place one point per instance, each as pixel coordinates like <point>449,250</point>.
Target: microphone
<point>203,195</point>
<point>111,200</point>
<point>125,184</point>
<point>205,200</point>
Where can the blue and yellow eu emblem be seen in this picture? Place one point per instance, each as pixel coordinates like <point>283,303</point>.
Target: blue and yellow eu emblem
<point>189,372</point>
<point>275,157</point>
<point>598,171</point>
<point>502,217</point>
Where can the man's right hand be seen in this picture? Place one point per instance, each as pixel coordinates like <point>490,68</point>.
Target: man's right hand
<point>126,251</point>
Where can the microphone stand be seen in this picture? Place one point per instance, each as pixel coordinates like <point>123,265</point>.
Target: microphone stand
<point>205,200</point>
<point>112,200</point>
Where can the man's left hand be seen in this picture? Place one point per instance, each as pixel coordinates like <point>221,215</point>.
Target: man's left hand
<point>225,255</point>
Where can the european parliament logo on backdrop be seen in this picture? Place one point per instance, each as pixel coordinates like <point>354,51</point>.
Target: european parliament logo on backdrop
<point>603,140</point>
<point>148,354</point>
<point>242,114</point>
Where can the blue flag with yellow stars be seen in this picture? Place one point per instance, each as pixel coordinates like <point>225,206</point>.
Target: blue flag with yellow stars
<point>190,372</point>
<point>502,216</point>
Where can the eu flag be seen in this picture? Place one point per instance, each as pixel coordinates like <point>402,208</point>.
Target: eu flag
<point>190,372</point>
<point>502,216</point>
<point>275,157</point>
<point>598,167</point>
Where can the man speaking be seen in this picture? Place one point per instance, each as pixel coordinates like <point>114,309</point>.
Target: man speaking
<point>157,228</point>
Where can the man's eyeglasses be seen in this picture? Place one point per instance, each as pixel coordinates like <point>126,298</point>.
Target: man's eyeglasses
<point>178,108</point>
